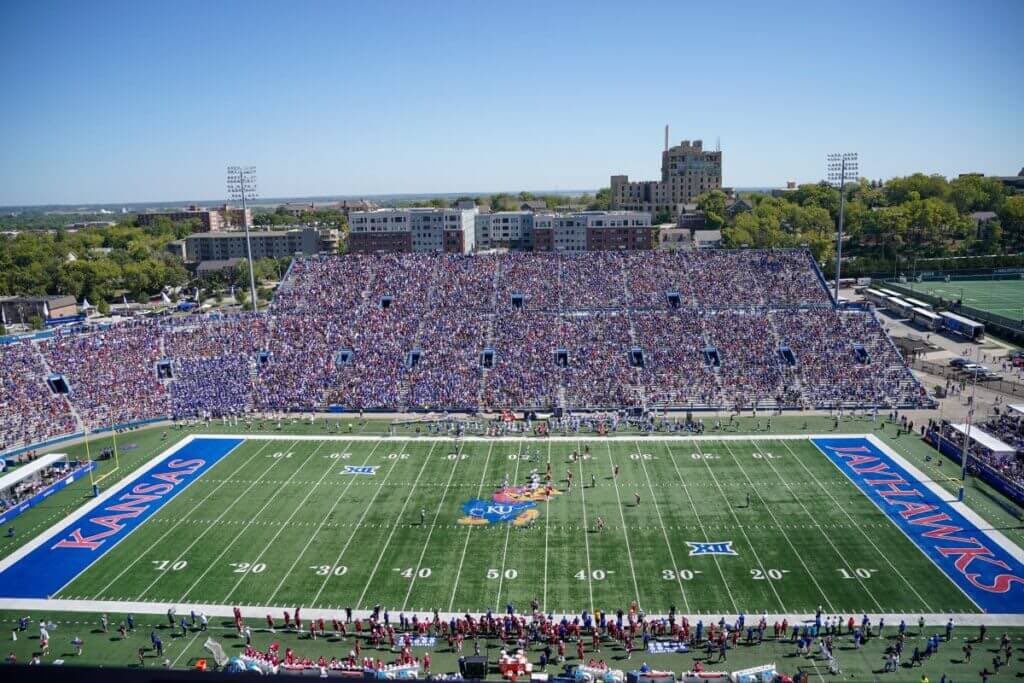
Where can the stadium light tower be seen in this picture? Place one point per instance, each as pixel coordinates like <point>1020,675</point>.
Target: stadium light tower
<point>242,186</point>
<point>841,167</point>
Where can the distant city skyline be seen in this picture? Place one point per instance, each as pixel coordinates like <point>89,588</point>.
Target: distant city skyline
<point>130,103</point>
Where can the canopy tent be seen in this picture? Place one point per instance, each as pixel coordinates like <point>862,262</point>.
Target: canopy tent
<point>1017,408</point>
<point>984,439</point>
<point>25,471</point>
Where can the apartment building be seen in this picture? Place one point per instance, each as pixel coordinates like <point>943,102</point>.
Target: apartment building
<point>208,220</point>
<point>223,246</point>
<point>594,231</point>
<point>420,229</point>
<point>687,171</point>
<point>505,229</point>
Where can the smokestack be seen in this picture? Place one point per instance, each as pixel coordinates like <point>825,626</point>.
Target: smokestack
<point>666,137</point>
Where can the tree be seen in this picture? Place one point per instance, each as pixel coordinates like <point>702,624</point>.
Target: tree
<point>713,203</point>
<point>663,216</point>
<point>917,186</point>
<point>1011,218</point>
<point>35,322</point>
<point>103,307</point>
<point>976,193</point>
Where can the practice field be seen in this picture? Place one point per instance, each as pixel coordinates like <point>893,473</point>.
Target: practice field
<point>1001,297</point>
<point>721,526</point>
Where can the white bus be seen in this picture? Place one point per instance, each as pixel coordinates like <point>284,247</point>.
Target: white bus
<point>926,318</point>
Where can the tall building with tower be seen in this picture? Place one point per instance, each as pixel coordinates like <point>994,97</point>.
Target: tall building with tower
<point>687,171</point>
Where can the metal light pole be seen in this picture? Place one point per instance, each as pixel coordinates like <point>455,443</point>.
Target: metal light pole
<point>242,186</point>
<point>964,454</point>
<point>841,167</point>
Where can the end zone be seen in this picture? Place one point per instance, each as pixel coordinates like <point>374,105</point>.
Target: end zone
<point>42,567</point>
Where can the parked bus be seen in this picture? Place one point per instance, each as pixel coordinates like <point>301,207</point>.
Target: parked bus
<point>918,304</point>
<point>898,306</point>
<point>888,292</point>
<point>875,297</point>
<point>926,318</point>
<point>962,326</point>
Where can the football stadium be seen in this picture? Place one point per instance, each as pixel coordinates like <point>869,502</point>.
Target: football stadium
<point>500,465</point>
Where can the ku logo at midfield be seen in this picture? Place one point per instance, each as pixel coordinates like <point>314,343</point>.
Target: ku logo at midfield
<point>708,548</point>
<point>515,504</point>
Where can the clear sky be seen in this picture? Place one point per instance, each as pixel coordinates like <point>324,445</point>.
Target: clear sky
<point>133,101</point>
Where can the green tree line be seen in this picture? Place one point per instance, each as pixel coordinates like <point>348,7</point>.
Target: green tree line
<point>917,216</point>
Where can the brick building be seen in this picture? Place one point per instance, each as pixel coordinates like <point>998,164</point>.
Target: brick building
<point>687,171</point>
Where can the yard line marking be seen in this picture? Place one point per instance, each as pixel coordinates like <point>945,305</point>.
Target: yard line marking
<point>622,516</point>
<point>225,511</point>
<point>394,526</point>
<point>185,649</point>
<point>828,538</point>
<point>359,523</point>
<point>239,534</point>
<point>479,492</point>
<point>739,525</point>
<point>586,526</point>
<point>885,557</point>
<point>433,525</point>
<point>282,527</point>
<point>176,524</point>
<point>322,523</point>
<point>508,529</point>
<point>547,526</point>
<point>782,528</point>
<point>661,522</point>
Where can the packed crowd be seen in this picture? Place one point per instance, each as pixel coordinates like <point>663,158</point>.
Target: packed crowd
<point>1006,466</point>
<point>29,411</point>
<point>405,331</point>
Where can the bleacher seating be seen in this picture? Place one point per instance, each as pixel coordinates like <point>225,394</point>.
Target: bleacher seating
<point>597,306</point>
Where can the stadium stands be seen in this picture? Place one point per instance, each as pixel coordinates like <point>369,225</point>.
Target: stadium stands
<point>408,331</point>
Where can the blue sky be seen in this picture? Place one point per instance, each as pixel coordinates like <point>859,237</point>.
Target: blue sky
<point>135,101</point>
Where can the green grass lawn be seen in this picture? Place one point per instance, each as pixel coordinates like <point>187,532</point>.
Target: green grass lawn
<point>1001,297</point>
<point>279,523</point>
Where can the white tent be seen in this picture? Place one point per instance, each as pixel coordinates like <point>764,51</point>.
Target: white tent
<point>984,439</point>
<point>1017,408</point>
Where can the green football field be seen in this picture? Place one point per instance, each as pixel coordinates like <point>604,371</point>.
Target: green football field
<point>1001,297</point>
<point>280,523</point>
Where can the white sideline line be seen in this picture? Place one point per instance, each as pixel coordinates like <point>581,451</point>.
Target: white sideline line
<point>260,612</point>
<point>625,532</point>
<point>92,505</point>
<point>295,511</point>
<point>527,437</point>
<point>433,525</point>
<point>469,530</point>
<point>686,489</point>
<point>178,523</point>
<point>316,533</point>
<point>359,523</point>
<point>661,523</point>
<point>860,528</point>
<point>743,531</point>
<point>394,527</point>
<point>782,528</point>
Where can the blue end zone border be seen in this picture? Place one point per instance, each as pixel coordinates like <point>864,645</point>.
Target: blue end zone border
<point>986,572</point>
<point>70,550</point>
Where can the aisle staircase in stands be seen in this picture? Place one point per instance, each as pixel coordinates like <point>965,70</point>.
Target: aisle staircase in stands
<point>79,422</point>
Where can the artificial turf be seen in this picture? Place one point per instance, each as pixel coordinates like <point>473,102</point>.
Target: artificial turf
<point>280,523</point>
<point>1001,297</point>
